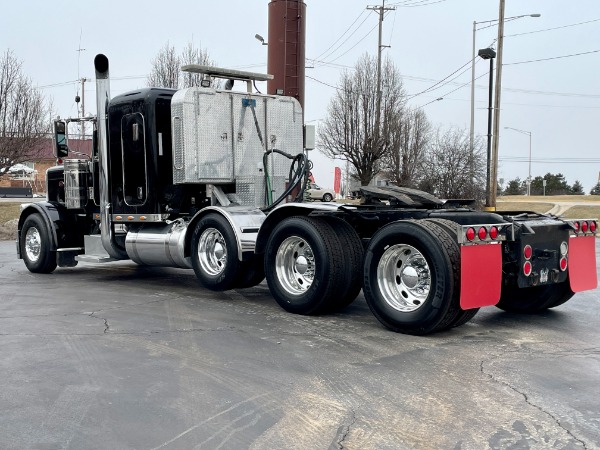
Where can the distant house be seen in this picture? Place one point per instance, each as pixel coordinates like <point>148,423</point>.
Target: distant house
<point>35,177</point>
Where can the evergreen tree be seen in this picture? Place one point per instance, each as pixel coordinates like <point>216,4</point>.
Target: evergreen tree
<point>577,188</point>
<point>514,187</point>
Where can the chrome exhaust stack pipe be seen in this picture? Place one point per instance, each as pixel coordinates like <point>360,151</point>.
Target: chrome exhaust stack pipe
<point>107,232</point>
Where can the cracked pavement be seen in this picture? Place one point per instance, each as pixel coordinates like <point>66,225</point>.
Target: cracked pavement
<point>127,357</point>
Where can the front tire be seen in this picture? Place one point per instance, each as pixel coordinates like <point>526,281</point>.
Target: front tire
<point>304,265</point>
<point>214,253</point>
<point>410,281</point>
<point>327,197</point>
<point>35,245</point>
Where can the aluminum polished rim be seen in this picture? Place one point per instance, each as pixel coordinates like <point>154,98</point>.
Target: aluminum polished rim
<point>33,244</point>
<point>295,265</point>
<point>212,252</point>
<point>404,278</point>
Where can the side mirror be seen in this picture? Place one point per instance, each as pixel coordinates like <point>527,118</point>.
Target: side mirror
<point>60,139</point>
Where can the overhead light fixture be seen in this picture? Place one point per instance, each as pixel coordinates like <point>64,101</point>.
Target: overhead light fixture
<point>261,39</point>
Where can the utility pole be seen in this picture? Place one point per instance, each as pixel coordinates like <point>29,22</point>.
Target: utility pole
<point>381,10</point>
<point>491,194</point>
<point>83,80</point>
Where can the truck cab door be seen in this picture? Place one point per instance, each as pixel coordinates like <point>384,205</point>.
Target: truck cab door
<point>134,159</point>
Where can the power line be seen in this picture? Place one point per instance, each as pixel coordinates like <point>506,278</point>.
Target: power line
<point>323,83</point>
<point>442,80</point>
<point>549,59</point>
<point>344,33</point>
<point>555,28</point>
<point>359,41</point>
<point>416,3</point>
<point>543,161</point>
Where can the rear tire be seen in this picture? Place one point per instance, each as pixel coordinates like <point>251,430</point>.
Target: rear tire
<point>535,299</point>
<point>327,197</point>
<point>453,229</point>
<point>35,245</point>
<point>304,265</point>
<point>410,277</point>
<point>250,273</point>
<point>352,247</point>
<point>214,253</point>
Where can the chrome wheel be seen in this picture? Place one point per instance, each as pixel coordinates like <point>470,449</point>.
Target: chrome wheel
<point>295,265</point>
<point>404,278</point>
<point>212,252</point>
<point>33,244</point>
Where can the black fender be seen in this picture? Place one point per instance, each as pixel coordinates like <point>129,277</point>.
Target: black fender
<point>61,223</point>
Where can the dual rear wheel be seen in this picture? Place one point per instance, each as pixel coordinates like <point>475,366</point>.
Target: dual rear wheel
<point>412,278</point>
<point>315,265</point>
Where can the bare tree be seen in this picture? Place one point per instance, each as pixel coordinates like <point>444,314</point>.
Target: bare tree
<point>409,134</point>
<point>166,67</point>
<point>446,168</point>
<point>24,115</point>
<point>351,129</point>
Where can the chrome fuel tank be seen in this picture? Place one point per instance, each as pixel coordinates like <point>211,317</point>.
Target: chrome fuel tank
<point>158,244</point>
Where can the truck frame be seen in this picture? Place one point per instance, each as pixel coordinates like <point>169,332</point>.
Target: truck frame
<point>213,180</point>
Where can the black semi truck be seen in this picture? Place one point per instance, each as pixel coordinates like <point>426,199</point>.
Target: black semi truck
<point>213,179</point>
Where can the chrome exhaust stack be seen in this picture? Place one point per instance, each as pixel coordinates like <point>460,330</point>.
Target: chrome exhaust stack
<point>107,231</point>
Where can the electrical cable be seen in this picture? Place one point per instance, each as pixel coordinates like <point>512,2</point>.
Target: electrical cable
<point>416,4</point>
<point>549,59</point>
<point>295,177</point>
<point>344,33</point>
<point>443,79</point>
<point>555,28</point>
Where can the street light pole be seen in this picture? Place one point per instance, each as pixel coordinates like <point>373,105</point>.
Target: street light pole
<point>472,131</point>
<point>472,128</point>
<point>488,53</point>
<point>529,176</point>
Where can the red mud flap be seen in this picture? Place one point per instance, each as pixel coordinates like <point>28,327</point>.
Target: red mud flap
<point>480,275</point>
<point>582,263</point>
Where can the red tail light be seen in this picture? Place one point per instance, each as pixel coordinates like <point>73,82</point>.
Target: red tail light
<point>494,232</point>
<point>527,252</point>
<point>593,226</point>
<point>482,233</point>
<point>527,268</point>
<point>563,263</point>
<point>471,234</point>
<point>576,225</point>
<point>584,227</point>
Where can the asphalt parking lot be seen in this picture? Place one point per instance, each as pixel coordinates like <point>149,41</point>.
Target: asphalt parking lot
<point>126,357</point>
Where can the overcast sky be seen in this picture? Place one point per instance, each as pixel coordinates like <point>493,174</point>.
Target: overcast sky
<point>557,100</point>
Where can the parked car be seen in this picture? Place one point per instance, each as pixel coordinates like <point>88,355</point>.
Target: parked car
<point>316,192</point>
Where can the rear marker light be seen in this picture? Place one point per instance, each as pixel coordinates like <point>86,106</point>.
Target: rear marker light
<point>584,227</point>
<point>494,232</point>
<point>593,226</point>
<point>563,263</point>
<point>564,248</point>
<point>471,234</point>
<point>527,252</point>
<point>527,268</point>
<point>576,225</point>
<point>482,233</point>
